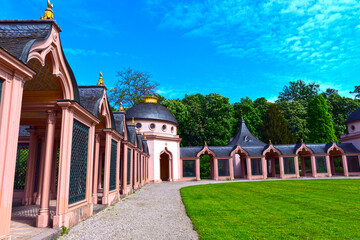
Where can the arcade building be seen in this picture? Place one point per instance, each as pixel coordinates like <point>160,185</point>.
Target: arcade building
<point>65,153</point>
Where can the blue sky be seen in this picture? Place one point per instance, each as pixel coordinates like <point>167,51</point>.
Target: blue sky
<point>235,48</point>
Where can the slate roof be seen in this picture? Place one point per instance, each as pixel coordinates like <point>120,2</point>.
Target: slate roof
<point>145,146</point>
<point>138,141</point>
<point>18,36</point>
<point>119,122</point>
<point>22,131</point>
<point>354,116</point>
<point>90,98</point>
<point>244,138</point>
<point>153,111</point>
<point>131,133</point>
<point>189,151</point>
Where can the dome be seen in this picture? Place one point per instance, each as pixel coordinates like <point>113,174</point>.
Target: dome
<point>354,116</point>
<point>153,111</point>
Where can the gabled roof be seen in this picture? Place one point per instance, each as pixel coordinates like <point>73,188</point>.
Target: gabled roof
<point>244,138</point>
<point>138,141</point>
<point>145,146</point>
<point>131,133</point>
<point>119,122</point>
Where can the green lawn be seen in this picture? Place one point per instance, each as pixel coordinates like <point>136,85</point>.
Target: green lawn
<point>295,209</point>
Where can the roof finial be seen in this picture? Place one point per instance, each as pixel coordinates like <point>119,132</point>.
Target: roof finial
<point>139,131</point>
<point>205,143</point>
<point>133,121</point>
<point>48,14</point>
<point>270,142</point>
<point>121,107</point>
<point>333,140</point>
<point>144,137</point>
<point>302,140</point>
<point>101,81</point>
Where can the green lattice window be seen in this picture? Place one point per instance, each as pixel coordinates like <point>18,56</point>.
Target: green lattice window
<point>353,163</point>
<point>189,168</point>
<point>78,166</point>
<point>137,168</point>
<point>256,166</point>
<point>128,166</point>
<point>143,167</point>
<point>320,164</point>
<point>289,165</point>
<point>21,165</point>
<point>223,167</point>
<point>112,185</point>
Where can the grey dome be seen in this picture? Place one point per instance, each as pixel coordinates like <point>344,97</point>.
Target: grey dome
<point>354,116</point>
<point>153,111</point>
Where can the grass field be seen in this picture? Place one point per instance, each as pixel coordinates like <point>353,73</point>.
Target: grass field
<point>295,209</point>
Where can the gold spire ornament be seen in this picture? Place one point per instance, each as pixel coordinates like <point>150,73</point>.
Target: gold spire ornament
<point>48,14</point>
<point>132,121</point>
<point>121,107</point>
<point>205,143</point>
<point>144,137</point>
<point>270,142</point>
<point>101,81</point>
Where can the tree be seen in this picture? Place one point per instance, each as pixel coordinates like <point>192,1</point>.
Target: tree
<point>130,87</point>
<point>340,108</point>
<point>299,90</point>
<point>180,112</point>
<point>246,109</point>
<point>329,92</point>
<point>274,127</point>
<point>320,122</point>
<point>295,115</point>
<point>356,91</point>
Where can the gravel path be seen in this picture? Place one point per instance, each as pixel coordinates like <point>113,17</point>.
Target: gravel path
<point>155,211</point>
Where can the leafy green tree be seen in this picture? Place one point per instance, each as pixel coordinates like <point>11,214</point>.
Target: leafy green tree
<point>252,115</point>
<point>219,119</point>
<point>295,115</point>
<point>340,109</point>
<point>299,90</point>
<point>131,86</point>
<point>329,92</point>
<point>180,112</point>
<point>356,91</point>
<point>274,127</point>
<point>319,121</point>
<point>262,104</point>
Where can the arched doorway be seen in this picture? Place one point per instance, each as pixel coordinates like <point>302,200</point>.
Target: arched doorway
<point>272,163</point>
<point>166,166</point>
<point>206,166</point>
<point>305,155</point>
<point>336,163</point>
<point>239,163</point>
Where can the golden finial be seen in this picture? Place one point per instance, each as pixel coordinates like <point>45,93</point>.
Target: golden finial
<point>150,99</point>
<point>121,107</point>
<point>270,142</point>
<point>302,140</point>
<point>48,14</point>
<point>205,143</point>
<point>139,131</point>
<point>333,140</point>
<point>132,121</point>
<point>101,81</point>
<point>144,137</point>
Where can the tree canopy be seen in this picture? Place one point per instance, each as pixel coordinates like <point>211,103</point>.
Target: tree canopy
<point>299,90</point>
<point>131,86</point>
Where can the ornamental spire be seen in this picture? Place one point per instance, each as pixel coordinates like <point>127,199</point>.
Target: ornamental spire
<point>132,121</point>
<point>101,81</point>
<point>48,14</point>
<point>121,107</point>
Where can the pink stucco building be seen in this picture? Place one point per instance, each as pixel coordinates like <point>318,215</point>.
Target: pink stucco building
<point>64,151</point>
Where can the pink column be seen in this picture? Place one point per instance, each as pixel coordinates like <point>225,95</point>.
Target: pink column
<point>281,164</point>
<point>313,165</point>
<point>124,171</point>
<point>31,168</point>
<point>53,172</point>
<point>170,170</point>
<point>197,166</point>
<point>41,171</point>
<point>101,164</point>
<point>328,166</point>
<point>296,162</point>
<point>231,168</point>
<point>42,220</point>
<point>248,168</point>
<point>345,165</point>
<point>216,169</point>
<point>96,169</point>
<point>10,109</point>
<point>62,199</point>
<point>105,198</point>
<point>264,167</point>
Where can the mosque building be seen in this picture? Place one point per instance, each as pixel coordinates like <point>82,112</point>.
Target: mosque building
<point>64,153</point>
